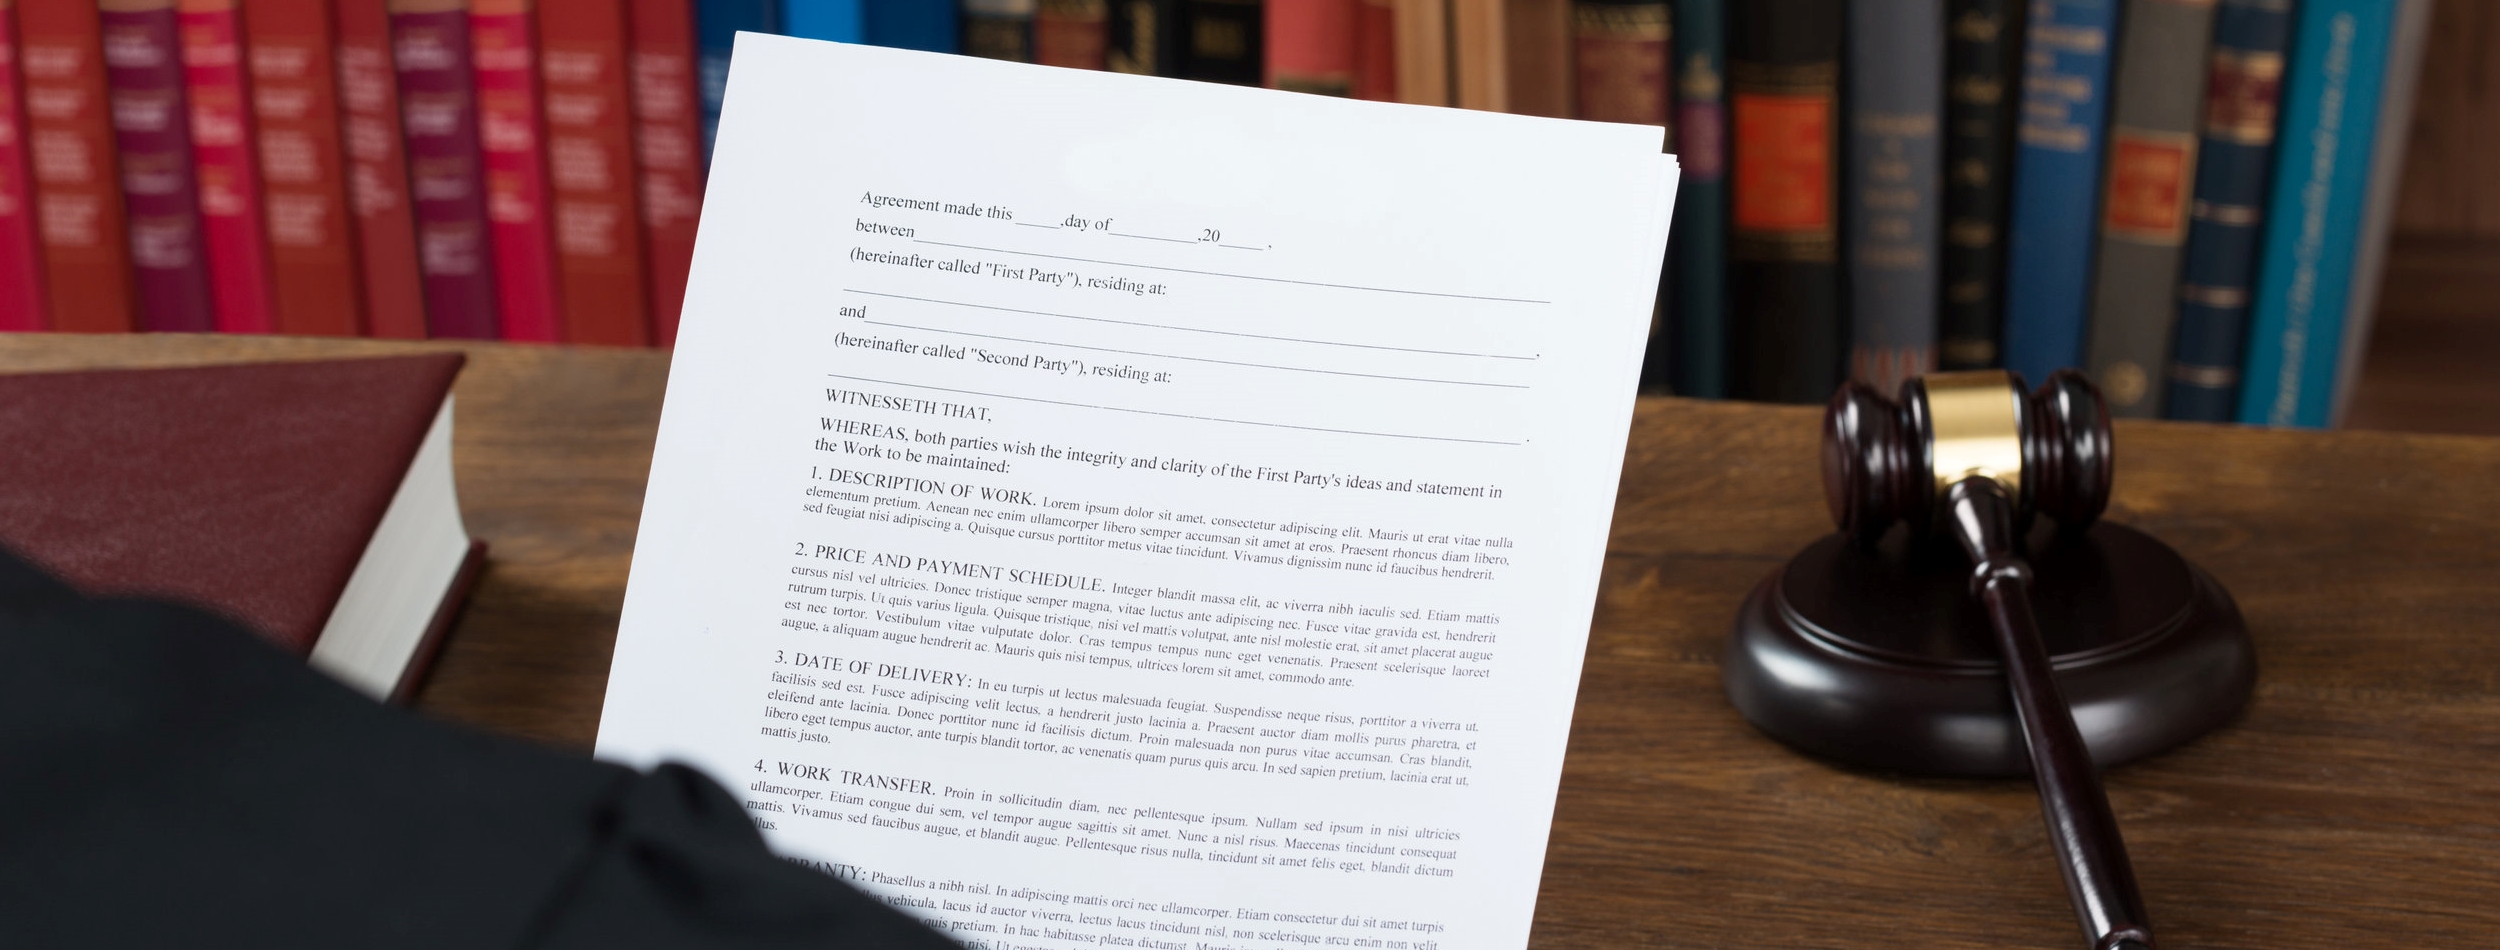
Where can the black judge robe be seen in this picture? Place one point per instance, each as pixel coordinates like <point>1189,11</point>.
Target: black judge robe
<point>169,780</point>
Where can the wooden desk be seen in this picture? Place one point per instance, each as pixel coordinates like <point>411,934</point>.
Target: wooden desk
<point>2355,804</point>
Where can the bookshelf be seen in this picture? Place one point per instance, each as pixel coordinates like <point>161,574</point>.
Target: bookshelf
<point>1529,56</point>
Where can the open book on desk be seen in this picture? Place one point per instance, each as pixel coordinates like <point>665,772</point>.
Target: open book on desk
<point>1096,510</point>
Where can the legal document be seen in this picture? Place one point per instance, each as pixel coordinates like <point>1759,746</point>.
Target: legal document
<point>1095,510</point>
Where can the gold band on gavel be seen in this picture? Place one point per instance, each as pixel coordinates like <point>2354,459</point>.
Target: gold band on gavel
<point>1977,421</point>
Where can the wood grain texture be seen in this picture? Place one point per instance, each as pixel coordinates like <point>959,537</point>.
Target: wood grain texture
<point>2451,186</point>
<point>2350,806</point>
<point>2434,358</point>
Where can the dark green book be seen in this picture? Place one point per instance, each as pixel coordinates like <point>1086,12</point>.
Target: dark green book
<point>1983,69</point>
<point>1784,278</point>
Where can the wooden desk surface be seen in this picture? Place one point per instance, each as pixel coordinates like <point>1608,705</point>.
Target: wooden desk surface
<point>2355,804</point>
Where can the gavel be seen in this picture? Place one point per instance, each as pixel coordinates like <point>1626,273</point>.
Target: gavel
<point>1971,455</point>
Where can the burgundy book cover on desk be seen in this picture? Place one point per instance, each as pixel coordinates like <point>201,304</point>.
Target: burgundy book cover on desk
<point>313,502</point>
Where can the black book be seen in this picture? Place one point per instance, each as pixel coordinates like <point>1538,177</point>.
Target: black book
<point>1144,37</point>
<point>1983,69</point>
<point>1788,330</point>
<point>998,29</point>
<point>1221,41</point>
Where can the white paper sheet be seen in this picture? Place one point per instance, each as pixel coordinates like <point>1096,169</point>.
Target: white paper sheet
<point>1103,511</point>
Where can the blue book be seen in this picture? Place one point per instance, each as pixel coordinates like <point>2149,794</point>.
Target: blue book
<point>716,26</point>
<point>1699,282</point>
<point>2243,96</point>
<point>2057,183</point>
<point>836,20</point>
<point>2344,116</point>
<point>1895,167</point>
<point>909,24</point>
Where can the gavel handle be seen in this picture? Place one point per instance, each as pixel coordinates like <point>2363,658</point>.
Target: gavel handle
<point>2085,835</point>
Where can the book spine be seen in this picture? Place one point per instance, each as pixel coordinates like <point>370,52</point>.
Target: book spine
<point>1784,72</point>
<point>1620,54</point>
<point>716,27</point>
<point>1983,63</point>
<point>512,138</point>
<point>392,287</point>
<point>21,261</point>
<point>1375,51</point>
<point>143,64</point>
<point>1311,45</point>
<point>233,233</point>
<point>1144,37</point>
<point>1221,41</point>
<point>668,156</point>
<point>295,113</point>
<point>998,29</point>
<point>446,183</point>
<point>2057,176</point>
<point>2331,99</point>
<point>909,24</point>
<point>590,144</point>
<point>2408,36</point>
<point>1536,57</point>
<point>1479,46</point>
<point>834,20</point>
<point>1422,29</point>
<point>1072,33</point>
<point>78,199</point>
<point>1896,159</point>
<point>2144,198</point>
<point>1700,245</point>
<point>2243,96</point>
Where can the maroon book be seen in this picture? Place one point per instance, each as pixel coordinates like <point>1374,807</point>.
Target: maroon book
<point>151,125</point>
<point>312,502</point>
<point>446,170</point>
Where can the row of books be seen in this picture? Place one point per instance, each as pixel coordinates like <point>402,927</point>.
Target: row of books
<point>396,168</point>
<point>1873,188</point>
<point>517,169</point>
<point>2187,198</point>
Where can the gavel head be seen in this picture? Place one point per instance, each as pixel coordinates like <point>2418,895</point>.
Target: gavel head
<point>1891,460</point>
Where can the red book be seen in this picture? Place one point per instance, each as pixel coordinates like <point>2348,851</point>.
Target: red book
<point>512,136</point>
<point>1376,52</point>
<point>78,195</point>
<point>1311,45</point>
<point>590,146</point>
<point>295,110</point>
<point>1072,33</point>
<point>221,156</point>
<point>666,143</point>
<point>1619,51</point>
<point>160,191</point>
<point>21,260</point>
<point>334,530</point>
<point>377,172</point>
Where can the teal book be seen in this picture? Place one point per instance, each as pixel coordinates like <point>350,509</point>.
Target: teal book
<point>2346,102</point>
<point>1698,281</point>
<point>909,24</point>
<point>836,20</point>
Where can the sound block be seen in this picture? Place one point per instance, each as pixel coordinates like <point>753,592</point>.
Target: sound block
<point>1882,659</point>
